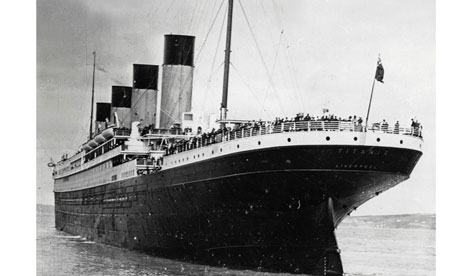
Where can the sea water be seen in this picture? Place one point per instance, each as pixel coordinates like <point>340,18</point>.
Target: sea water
<point>366,251</point>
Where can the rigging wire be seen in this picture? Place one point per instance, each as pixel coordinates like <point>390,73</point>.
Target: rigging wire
<point>248,86</point>
<point>290,64</point>
<point>261,56</point>
<point>268,21</point>
<point>40,144</point>
<point>193,16</point>
<point>214,6</point>
<point>209,31</point>
<point>272,70</point>
<point>276,47</point>
<point>170,5</point>
<point>157,5</point>
<point>214,60</point>
<point>292,73</point>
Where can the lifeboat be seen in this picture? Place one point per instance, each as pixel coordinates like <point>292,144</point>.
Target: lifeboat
<point>92,143</point>
<point>107,133</point>
<point>99,139</point>
<point>87,147</point>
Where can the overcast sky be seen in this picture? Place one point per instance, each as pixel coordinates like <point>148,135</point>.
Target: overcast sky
<point>296,56</point>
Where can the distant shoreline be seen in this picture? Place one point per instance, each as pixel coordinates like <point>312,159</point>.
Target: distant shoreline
<point>404,221</point>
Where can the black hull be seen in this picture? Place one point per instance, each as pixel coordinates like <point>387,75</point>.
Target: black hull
<point>272,210</point>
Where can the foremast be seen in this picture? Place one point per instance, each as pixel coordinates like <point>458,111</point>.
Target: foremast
<point>223,106</point>
<point>92,98</point>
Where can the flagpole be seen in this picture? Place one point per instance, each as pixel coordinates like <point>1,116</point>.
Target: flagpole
<point>369,108</point>
<point>370,100</point>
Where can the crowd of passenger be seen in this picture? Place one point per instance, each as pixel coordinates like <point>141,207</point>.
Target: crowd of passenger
<point>253,127</point>
<point>215,135</point>
<point>327,118</point>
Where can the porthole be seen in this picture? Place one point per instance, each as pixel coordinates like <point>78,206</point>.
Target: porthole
<point>212,152</point>
<point>378,139</point>
<point>328,138</point>
<point>401,142</point>
<point>258,143</point>
<point>238,146</point>
<point>356,138</point>
<point>289,139</point>
<point>202,154</point>
<point>221,150</point>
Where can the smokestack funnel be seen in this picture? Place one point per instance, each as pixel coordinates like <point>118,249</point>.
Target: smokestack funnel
<point>177,79</point>
<point>121,104</point>
<point>145,76</point>
<point>144,94</point>
<point>179,50</point>
<point>102,111</point>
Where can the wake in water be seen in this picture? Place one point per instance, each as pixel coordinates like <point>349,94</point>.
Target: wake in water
<point>73,239</point>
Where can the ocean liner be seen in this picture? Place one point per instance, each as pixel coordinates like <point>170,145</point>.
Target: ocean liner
<point>261,195</point>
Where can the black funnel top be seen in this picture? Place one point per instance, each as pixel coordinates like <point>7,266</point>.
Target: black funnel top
<point>102,111</point>
<point>121,96</point>
<point>179,50</point>
<point>145,76</point>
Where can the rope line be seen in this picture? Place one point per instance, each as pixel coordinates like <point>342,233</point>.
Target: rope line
<point>209,31</point>
<point>273,69</point>
<point>212,72</point>
<point>248,86</point>
<point>261,56</point>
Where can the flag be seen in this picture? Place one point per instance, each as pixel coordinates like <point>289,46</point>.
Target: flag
<point>379,71</point>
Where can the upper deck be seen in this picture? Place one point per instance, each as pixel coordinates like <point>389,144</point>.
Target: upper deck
<point>125,156</point>
<point>267,128</point>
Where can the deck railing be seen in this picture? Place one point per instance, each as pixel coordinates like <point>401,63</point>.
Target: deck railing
<point>122,132</point>
<point>271,128</point>
<point>165,131</point>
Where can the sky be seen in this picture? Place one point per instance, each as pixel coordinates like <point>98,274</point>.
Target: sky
<point>287,57</point>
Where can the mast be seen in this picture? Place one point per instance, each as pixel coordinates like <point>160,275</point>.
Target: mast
<point>223,105</point>
<point>379,62</point>
<point>92,98</point>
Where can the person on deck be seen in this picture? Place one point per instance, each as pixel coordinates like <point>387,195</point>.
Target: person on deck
<point>396,129</point>
<point>384,126</point>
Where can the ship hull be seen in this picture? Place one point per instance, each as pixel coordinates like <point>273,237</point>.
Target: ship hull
<point>273,210</point>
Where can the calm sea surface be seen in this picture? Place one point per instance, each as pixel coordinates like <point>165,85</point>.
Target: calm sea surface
<point>366,251</point>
